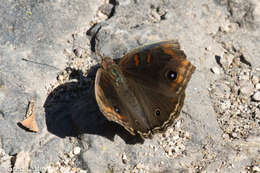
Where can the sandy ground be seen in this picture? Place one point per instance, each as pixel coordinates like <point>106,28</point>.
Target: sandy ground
<point>49,54</point>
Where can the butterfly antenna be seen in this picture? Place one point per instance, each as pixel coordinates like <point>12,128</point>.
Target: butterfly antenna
<point>39,63</point>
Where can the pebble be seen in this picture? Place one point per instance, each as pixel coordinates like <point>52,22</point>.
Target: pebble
<point>226,105</point>
<point>5,162</point>
<point>246,90</point>
<point>256,169</point>
<point>78,52</point>
<point>82,171</point>
<point>215,70</point>
<point>65,169</point>
<point>227,59</point>
<point>225,136</point>
<point>71,154</point>
<point>50,170</point>
<point>124,158</point>
<point>156,16</point>
<point>106,9</point>
<point>175,137</point>
<point>257,86</point>
<point>255,80</point>
<point>178,125</point>
<point>256,96</point>
<point>76,150</point>
<point>22,162</point>
<point>234,135</point>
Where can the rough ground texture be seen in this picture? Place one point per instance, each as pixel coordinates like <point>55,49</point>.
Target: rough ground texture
<point>48,53</point>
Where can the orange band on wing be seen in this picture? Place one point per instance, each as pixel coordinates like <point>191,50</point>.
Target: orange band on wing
<point>121,117</point>
<point>178,81</point>
<point>185,63</point>
<point>168,51</point>
<point>136,58</point>
<point>148,58</point>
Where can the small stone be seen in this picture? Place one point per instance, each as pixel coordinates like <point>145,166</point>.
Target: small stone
<point>246,90</point>
<point>234,135</point>
<point>106,9</point>
<point>226,105</point>
<point>50,170</point>
<point>78,52</point>
<point>65,169</point>
<point>22,162</point>
<point>5,163</point>
<point>215,70</point>
<point>155,15</point>
<point>257,86</point>
<point>187,135</point>
<point>74,169</point>
<point>82,171</point>
<point>124,2</point>
<point>71,154</point>
<point>175,137</point>
<point>227,60</point>
<point>178,125</point>
<point>76,150</point>
<point>255,79</point>
<point>60,77</point>
<point>124,158</point>
<point>256,96</point>
<point>225,136</point>
<point>177,149</point>
<point>66,161</point>
<point>256,169</point>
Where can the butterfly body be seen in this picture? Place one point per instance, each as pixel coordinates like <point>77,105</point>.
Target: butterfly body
<point>144,92</point>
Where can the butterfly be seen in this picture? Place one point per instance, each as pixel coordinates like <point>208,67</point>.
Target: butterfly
<point>144,92</point>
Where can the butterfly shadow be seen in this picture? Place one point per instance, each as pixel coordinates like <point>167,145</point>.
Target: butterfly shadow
<point>71,110</point>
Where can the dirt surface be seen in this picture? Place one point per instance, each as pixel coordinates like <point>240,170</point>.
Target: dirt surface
<point>49,54</point>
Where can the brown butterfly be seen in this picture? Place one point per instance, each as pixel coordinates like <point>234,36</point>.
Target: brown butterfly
<point>145,91</point>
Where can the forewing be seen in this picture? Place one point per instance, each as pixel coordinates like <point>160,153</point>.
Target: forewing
<point>150,65</point>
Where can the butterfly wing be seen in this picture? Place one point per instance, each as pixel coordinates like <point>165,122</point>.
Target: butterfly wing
<point>117,102</point>
<point>158,75</point>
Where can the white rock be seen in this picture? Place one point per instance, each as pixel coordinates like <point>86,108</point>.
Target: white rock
<point>234,135</point>
<point>51,170</point>
<point>226,105</point>
<point>256,169</point>
<point>22,162</point>
<point>256,96</point>
<point>246,90</point>
<point>257,86</point>
<point>65,169</point>
<point>82,171</point>
<point>178,125</point>
<point>175,137</point>
<point>76,150</point>
<point>255,79</point>
<point>124,158</point>
<point>5,165</point>
<point>226,60</point>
